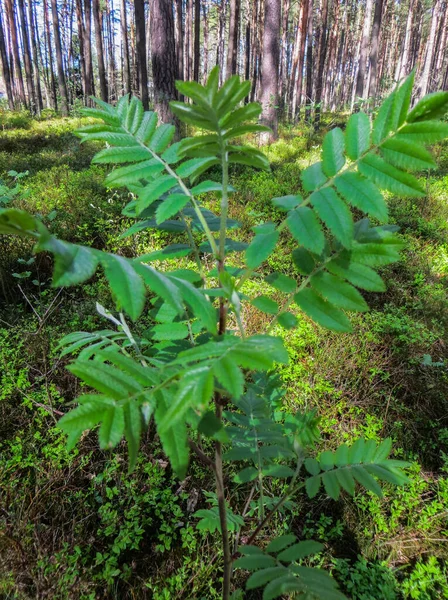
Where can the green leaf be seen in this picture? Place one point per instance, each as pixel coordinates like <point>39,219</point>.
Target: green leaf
<point>390,178</point>
<point>85,416</point>
<point>253,562</point>
<point>321,311</point>
<point>335,214</point>
<point>281,282</point>
<point>195,166</point>
<point>260,248</point>
<point>287,320</point>
<point>266,305</point>
<point>125,283</point>
<point>162,137</point>
<point>357,135</point>
<point>313,177</point>
<point>264,576</point>
<point>72,264</point>
<point>174,440</point>
<point>161,285</point>
<point>207,186</point>
<point>382,123</point>
<point>147,127</point>
<point>331,484</point>
<point>112,427</point>
<point>426,132</point>
<point>106,379</point>
<point>244,476</point>
<point>132,431</point>
<point>287,203</point>
<point>312,485</point>
<point>194,391</point>
<point>432,106</point>
<point>375,254</point>
<point>281,586</point>
<point>171,206</point>
<point>168,331</point>
<point>201,307</point>
<point>333,158</point>
<point>362,193</point>
<point>121,155</point>
<point>132,174</point>
<point>402,100</point>
<point>303,260</point>
<point>299,551</point>
<point>306,229</point>
<point>229,375</point>
<point>280,543</point>
<point>338,292</point>
<point>154,190</point>
<point>407,155</point>
<point>360,275</point>
<point>17,222</point>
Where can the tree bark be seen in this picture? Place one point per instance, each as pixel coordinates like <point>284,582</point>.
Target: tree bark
<point>206,28</point>
<point>164,63</point>
<point>27,57</point>
<point>232,49</point>
<point>322,56</point>
<point>359,92</point>
<point>180,39</point>
<point>309,63</point>
<point>424,82</point>
<point>99,49</point>
<point>197,39</point>
<point>5,66</point>
<point>374,49</point>
<point>284,53</point>
<point>82,40</point>
<point>270,63</point>
<point>15,50</point>
<point>59,60</point>
<point>125,45</point>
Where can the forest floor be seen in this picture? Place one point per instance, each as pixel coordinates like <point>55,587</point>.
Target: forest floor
<point>74,525</point>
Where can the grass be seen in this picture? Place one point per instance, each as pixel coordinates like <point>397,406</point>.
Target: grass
<point>76,526</point>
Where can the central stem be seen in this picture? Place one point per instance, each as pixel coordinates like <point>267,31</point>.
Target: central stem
<point>219,477</point>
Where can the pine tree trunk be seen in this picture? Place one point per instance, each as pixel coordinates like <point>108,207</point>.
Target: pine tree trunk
<point>232,49</point>
<point>15,51</point>
<point>205,18</point>
<point>424,82</point>
<point>125,45</point>
<point>34,37</point>
<point>27,57</point>
<point>5,66</point>
<point>81,38</point>
<point>164,63</point>
<point>270,64</point>
<point>90,87</point>
<point>140,42</point>
<point>359,92</point>
<point>188,60</point>
<point>99,49</point>
<point>180,39</point>
<point>284,53</point>
<point>197,39</point>
<point>59,61</point>
<point>50,56</point>
<point>309,63</point>
<point>323,46</point>
<point>374,49</point>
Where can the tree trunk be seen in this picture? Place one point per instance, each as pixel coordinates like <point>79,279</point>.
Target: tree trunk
<point>374,49</point>
<point>15,50</point>
<point>359,92</point>
<point>309,63</point>
<point>205,18</point>
<point>125,45</point>
<point>270,63</point>
<point>140,42</point>
<point>27,56</point>
<point>180,39</point>
<point>424,82</point>
<point>221,35</point>
<point>232,49</point>
<point>50,55</point>
<point>60,63</point>
<point>283,53</point>
<point>5,66</point>
<point>82,53</point>
<point>164,63</point>
<point>34,37</point>
<point>322,56</point>
<point>197,39</point>
<point>99,49</point>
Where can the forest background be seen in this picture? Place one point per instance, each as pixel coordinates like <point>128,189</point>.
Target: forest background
<point>74,525</point>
